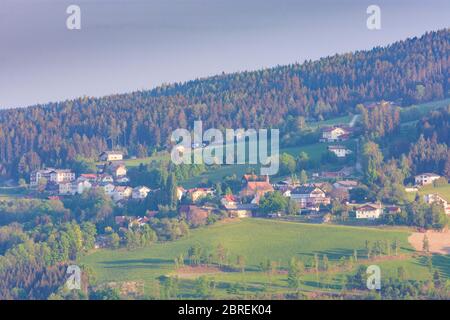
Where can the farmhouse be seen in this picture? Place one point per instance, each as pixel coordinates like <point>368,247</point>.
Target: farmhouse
<point>425,178</point>
<point>333,134</point>
<point>309,197</point>
<point>111,156</point>
<point>369,211</point>
<point>339,151</point>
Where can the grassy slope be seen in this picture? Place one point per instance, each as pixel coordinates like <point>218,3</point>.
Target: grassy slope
<point>444,192</point>
<point>257,240</point>
<point>314,151</point>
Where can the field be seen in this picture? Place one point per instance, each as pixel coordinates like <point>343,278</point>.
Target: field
<point>257,240</point>
<point>444,192</point>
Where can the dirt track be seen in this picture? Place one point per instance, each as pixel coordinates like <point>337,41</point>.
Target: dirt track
<point>439,241</point>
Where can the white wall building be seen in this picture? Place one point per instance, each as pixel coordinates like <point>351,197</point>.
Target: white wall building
<point>426,178</point>
<point>369,211</point>
<point>140,192</point>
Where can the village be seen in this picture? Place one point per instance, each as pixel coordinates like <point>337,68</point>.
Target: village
<point>314,199</point>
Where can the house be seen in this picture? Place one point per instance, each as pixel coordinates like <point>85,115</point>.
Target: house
<point>61,175</point>
<point>108,188</point>
<point>369,211</point>
<point>435,198</point>
<point>255,186</point>
<point>392,210</point>
<point>105,178</point>
<point>229,201</point>
<point>345,184</point>
<point>91,177</point>
<point>138,222</point>
<point>111,156</point>
<point>51,175</point>
<point>425,178</point>
<point>78,187</point>
<point>339,150</point>
<point>288,183</point>
<point>121,192</point>
<point>39,175</point>
<point>65,188</point>
<point>309,197</point>
<point>197,193</point>
<point>118,170</point>
<point>140,192</point>
<point>123,180</point>
<point>236,209</point>
<point>333,134</point>
<point>344,172</point>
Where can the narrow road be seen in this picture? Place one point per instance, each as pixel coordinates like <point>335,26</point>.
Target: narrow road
<point>353,121</point>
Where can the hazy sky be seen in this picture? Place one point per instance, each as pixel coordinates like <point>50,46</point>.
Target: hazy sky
<point>127,45</point>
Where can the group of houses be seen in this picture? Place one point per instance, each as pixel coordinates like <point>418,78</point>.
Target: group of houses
<point>111,176</point>
<point>425,179</point>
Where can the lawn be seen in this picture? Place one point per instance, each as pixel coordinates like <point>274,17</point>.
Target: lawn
<point>257,240</point>
<point>314,152</point>
<point>444,192</point>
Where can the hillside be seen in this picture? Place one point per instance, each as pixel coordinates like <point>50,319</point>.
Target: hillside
<point>410,71</point>
<point>274,240</point>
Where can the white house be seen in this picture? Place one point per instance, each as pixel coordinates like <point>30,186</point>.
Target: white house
<point>333,134</point>
<point>426,178</point>
<point>61,175</point>
<point>118,170</point>
<point>80,186</point>
<point>369,211</point>
<point>140,192</point>
<point>65,188</point>
<point>38,175</point>
<point>121,192</point>
<point>339,151</point>
<point>111,156</point>
<point>308,197</point>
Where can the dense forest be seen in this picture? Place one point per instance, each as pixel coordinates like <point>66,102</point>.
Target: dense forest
<point>410,71</point>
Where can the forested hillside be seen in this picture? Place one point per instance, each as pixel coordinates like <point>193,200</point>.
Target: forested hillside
<point>411,71</point>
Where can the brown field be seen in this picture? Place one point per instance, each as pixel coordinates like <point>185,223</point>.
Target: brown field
<point>439,241</point>
<point>187,272</point>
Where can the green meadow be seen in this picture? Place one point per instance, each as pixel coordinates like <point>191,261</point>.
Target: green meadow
<point>259,240</point>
